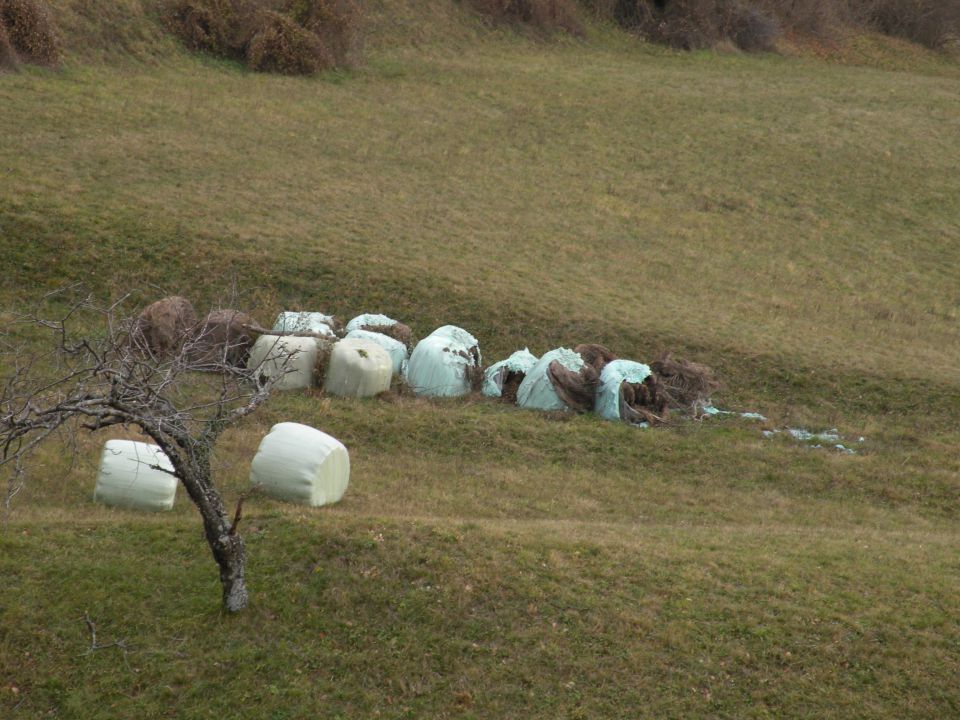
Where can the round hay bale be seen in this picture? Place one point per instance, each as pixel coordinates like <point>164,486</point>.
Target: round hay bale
<point>292,359</point>
<point>300,464</point>
<point>164,326</point>
<point>222,339</point>
<point>443,363</point>
<point>358,368</point>
<point>135,475</point>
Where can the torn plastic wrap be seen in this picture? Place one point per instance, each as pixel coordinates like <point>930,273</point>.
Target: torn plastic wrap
<point>358,368</point>
<point>135,475</point>
<point>508,372</point>
<point>611,403</point>
<point>313,322</point>
<point>300,464</point>
<point>537,391</point>
<point>394,348</point>
<point>440,364</point>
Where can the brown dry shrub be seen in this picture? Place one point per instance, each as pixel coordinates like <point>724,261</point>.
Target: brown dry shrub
<point>31,33</point>
<point>8,56</point>
<point>294,37</point>
<point>755,24</point>
<point>335,22</point>
<point>546,16</point>
<point>280,45</point>
<point>932,23</point>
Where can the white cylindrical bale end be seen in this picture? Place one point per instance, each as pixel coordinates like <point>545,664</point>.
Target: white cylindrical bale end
<point>300,464</point>
<point>135,475</point>
<point>358,368</point>
<point>293,358</point>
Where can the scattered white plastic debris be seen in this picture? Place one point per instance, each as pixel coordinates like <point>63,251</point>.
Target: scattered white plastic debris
<point>300,464</point>
<point>522,361</point>
<point>135,475</point>
<point>832,437</point>
<point>313,322</point>
<point>358,368</point>
<point>829,436</point>
<point>439,363</point>
<point>711,410</point>
<point>293,358</point>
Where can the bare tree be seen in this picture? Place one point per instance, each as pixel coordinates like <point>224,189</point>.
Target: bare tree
<point>85,372</point>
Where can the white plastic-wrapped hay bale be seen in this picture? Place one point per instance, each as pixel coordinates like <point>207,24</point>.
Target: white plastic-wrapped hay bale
<point>536,392</point>
<point>384,325</point>
<point>609,404</point>
<point>358,368</point>
<point>395,349</point>
<point>135,475</point>
<point>371,320</point>
<point>293,358</point>
<point>313,322</point>
<point>439,364</point>
<point>300,464</point>
<point>515,366</point>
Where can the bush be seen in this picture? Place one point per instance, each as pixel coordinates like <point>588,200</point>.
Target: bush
<point>280,45</point>
<point>28,33</point>
<point>929,22</point>
<point>545,16</point>
<point>756,24</point>
<point>295,37</point>
<point>8,56</point>
<point>752,30</point>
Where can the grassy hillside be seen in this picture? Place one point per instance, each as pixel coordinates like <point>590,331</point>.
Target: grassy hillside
<point>792,222</point>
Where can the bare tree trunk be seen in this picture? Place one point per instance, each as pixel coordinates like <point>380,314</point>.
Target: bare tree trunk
<point>232,559</point>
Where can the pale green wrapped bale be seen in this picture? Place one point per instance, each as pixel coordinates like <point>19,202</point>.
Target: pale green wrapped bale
<point>371,320</point>
<point>311,322</point>
<point>358,368</point>
<point>300,464</point>
<point>615,373</point>
<point>292,358</point>
<point>440,364</point>
<point>135,475</point>
<point>536,392</point>
<point>494,377</point>
<point>395,349</point>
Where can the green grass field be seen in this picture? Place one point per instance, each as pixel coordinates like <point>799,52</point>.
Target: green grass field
<point>793,223</point>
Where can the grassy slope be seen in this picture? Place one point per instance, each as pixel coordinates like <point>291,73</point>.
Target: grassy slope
<point>791,222</point>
